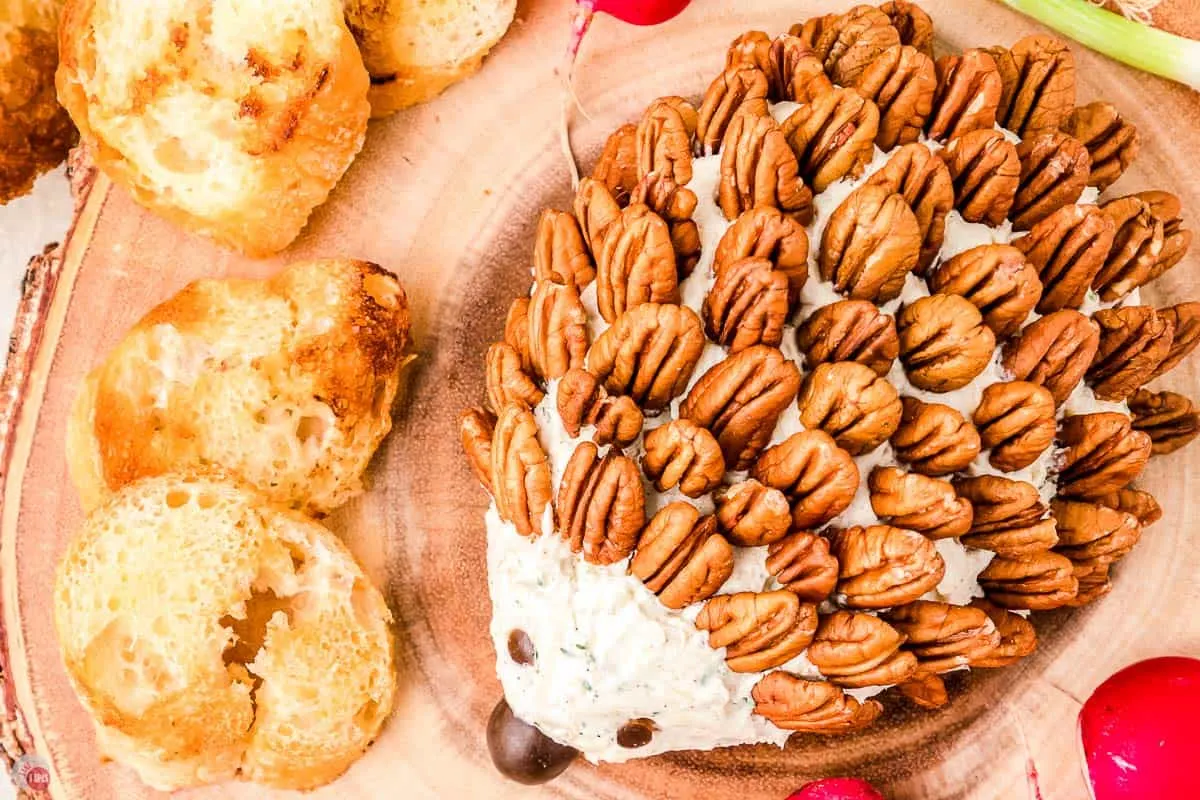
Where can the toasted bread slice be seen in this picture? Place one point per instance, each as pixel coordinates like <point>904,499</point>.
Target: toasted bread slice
<point>212,635</point>
<point>35,131</point>
<point>41,15</point>
<point>415,49</point>
<point>233,118</point>
<point>287,383</point>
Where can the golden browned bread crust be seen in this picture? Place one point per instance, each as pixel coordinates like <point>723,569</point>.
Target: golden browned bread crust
<point>233,118</point>
<point>41,15</point>
<point>211,636</point>
<point>287,383</point>
<point>415,49</point>
<point>35,131</point>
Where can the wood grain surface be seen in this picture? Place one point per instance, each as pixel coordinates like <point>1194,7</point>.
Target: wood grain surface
<point>447,196</point>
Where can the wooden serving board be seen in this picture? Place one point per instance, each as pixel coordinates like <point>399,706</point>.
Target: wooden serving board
<point>447,195</point>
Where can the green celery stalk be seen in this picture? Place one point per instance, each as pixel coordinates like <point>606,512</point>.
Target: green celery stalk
<point>1138,45</point>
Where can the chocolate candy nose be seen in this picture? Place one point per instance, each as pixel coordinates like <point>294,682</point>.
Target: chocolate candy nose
<point>523,753</point>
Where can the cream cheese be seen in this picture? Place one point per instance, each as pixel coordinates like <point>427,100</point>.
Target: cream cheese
<point>607,650</point>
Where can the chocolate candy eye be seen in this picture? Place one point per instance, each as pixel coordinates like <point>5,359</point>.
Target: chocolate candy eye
<point>520,647</point>
<point>523,753</point>
<point>636,733</point>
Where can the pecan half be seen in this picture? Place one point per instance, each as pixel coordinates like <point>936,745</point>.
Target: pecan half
<point>968,93</point>
<point>802,563</point>
<point>1093,534</point>
<point>683,454</point>
<point>558,329</point>
<point>1103,454</point>
<point>635,263</point>
<point>559,253</point>
<point>681,557</point>
<point>1168,418</point>
<point>601,507</point>
<point>648,353</point>
<point>1018,638</point>
<point>664,139</point>
<point>617,168</point>
<point>851,41</point>
<point>913,24</point>
<point>581,400</point>
<point>759,630</point>
<point>997,279</point>
<point>752,48</point>
<point>817,477</point>
<point>849,330</point>
<point>851,403</point>
<point>923,180</point>
<point>506,381</point>
<point>1044,92</point>
<point>833,136</point>
<point>1185,321</point>
<point>758,168</point>
<point>739,88</point>
<point>740,400</point>
<point>934,439</point>
<point>1112,141</point>
<point>1039,582</point>
<point>1068,248</point>
<point>855,650</point>
<point>985,170</point>
<point>943,636</point>
<point>943,342</point>
<point>1016,423</point>
<point>1094,583</point>
<point>918,503</point>
<point>881,566</point>
<point>1054,351</point>
<point>520,470</point>
<point>1176,240</point>
<point>751,514</point>
<point>901,82</point>
<point>475,429</point>
<point>597,211</point>
<point>675,204</point>
<point>1134,501</point>
<point>747,305</point>
<point>1054,172</point>
<point>796,73</point>
<point>516,331</point>
<point>766,232</point>
<point>1010,517</point>
<point>1134,340</point>
<point>811,30</point>
<point>1137,246</point>
<point>925,689</point>
<point>871,243</point>
<point>794,704</point>
<point>1006,66</point>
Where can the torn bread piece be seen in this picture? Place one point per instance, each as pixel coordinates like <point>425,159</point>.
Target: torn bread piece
<point>212,636</point>
<point>415,49</point>
<point>231,118</point>
<point>287,383</point>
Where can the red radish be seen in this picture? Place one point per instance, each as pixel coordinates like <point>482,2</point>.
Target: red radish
<point>838,789</point>
<point>635,12</point>
<point>1139,732</point>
